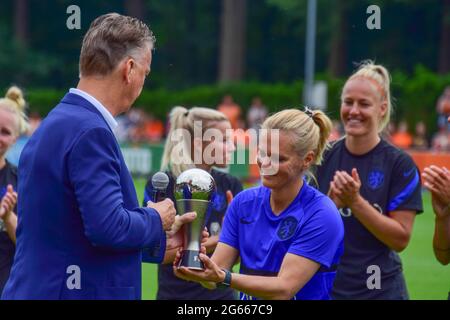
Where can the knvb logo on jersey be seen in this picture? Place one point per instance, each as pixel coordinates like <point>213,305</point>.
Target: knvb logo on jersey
<point>287,228</point>
<point>375,179</point>
<point>219,202</point>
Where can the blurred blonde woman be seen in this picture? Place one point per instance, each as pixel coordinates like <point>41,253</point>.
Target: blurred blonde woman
<point>377,188</point>
<point>287,234</point>
<point>13,123</point>
<point>184,150</point>
<point>437,180</point>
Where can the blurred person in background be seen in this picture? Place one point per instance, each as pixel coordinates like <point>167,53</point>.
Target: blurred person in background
<point>437,180</point>
<point>402,138</point>
<point>443,109</point>
<point>389,131</point>
<point>13,154</point>
<point>174,163</point>
<point>122,129</point>
<point>231,110</point>
<point>13,124</point>
<point>256,114</point>
<point>34,120</point>
<point>154,129</point>
<point>420,140</point>
<point>377,188</point>
<point>143,127</point>
<point>336,131</point>
<point>136,129</point>
<point>441,140</point>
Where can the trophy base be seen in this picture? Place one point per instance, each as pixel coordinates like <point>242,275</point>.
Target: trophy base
<point>190,259</point>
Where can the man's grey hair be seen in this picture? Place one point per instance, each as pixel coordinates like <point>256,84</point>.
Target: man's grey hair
<point>111,38</point>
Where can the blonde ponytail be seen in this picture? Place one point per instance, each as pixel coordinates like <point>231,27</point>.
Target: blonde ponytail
<point>310,130</point>
<point>177,162</point>
<point>325,126</point>
<point>16,95</point>
<point>15,103</point>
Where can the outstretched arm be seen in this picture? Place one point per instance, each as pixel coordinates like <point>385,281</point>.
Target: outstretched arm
<point>295,272</point>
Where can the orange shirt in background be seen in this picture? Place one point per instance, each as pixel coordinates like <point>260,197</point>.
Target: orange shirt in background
<point>232,112</point>
<point>402,140</point>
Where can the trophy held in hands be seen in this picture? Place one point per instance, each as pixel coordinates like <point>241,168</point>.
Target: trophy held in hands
<point>194,191</point>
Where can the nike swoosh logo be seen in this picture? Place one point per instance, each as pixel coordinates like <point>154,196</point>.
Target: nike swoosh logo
<point>408,173</point>
<point>241,220</point>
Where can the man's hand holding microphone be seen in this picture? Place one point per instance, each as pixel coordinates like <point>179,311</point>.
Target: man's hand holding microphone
<point>171,222</point>
<point>166,211</point>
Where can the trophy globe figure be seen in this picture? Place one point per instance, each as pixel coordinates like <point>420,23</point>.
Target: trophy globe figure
<point>194,191</point>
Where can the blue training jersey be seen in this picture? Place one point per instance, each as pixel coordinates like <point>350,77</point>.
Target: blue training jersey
<point>310,227</point>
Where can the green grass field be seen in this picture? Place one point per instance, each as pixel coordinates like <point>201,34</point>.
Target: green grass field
<point>426,278</point>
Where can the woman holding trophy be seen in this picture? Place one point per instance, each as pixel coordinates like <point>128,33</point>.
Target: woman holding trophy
<point>287,234</point>
<point>185,150</point>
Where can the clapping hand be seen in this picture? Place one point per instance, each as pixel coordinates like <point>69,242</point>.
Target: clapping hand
<point>437,180</point>
<point>8,202</point>
<point>344,189</point>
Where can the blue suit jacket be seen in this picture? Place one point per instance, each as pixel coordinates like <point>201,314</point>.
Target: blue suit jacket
<point>80,224</point>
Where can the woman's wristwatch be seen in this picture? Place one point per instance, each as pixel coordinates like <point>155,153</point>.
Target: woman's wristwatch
<point>226,283</point>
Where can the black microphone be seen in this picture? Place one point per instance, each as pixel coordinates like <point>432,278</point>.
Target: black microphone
<point>160,181</point>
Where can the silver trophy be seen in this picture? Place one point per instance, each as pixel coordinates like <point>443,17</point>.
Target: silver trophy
<point>194,190</point>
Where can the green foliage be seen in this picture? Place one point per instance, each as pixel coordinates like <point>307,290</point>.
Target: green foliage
<point>188,39</point>
<point>21,64</point>
<point>415,96</point>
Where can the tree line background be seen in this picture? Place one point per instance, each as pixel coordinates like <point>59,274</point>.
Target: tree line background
<point>205,47</point>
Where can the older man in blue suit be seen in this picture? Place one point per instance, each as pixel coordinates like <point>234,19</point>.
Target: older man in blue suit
<point>81,233</point>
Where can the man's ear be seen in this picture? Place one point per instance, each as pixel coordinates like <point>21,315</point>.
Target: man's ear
<point>128,69</point>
